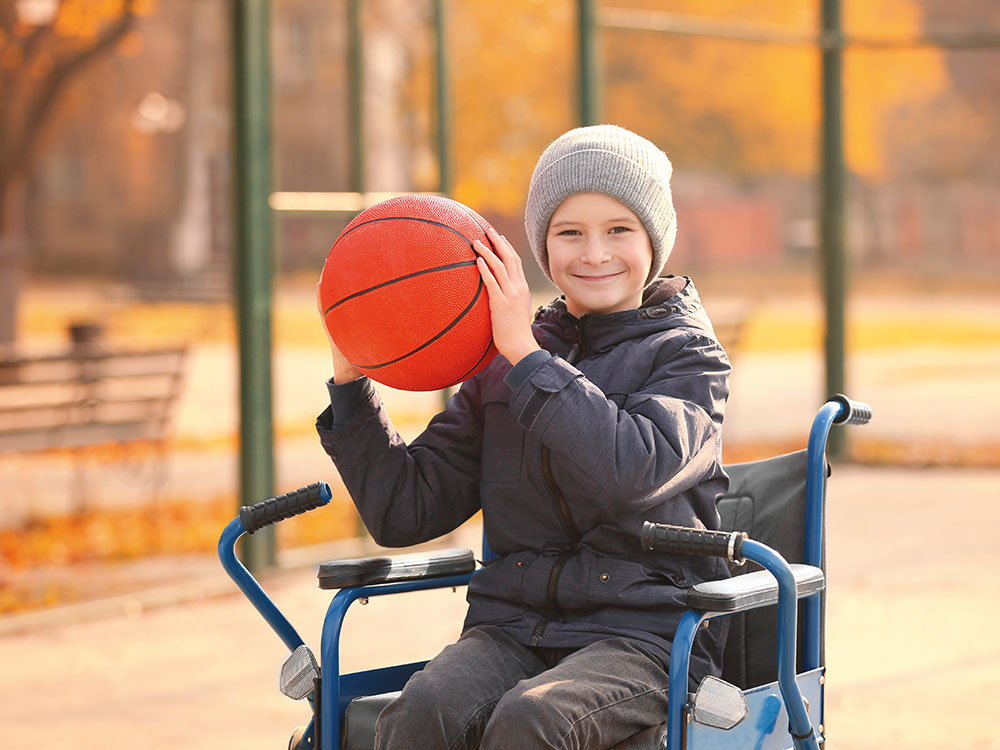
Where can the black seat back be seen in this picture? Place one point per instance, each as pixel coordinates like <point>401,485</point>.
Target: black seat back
<point>767,500</point>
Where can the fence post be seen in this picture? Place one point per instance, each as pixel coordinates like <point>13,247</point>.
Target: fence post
<point>252,185</point>
<point>589,73</point>
<point>832,252</point>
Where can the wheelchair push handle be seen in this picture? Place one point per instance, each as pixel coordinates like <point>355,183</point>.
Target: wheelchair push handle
<point>256,517</point>
<point>687,541</point>
<point>852,412</point>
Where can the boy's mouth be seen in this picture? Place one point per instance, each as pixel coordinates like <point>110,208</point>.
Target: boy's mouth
<point>598,278</point>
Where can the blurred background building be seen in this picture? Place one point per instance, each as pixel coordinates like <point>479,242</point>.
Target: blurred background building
<point>130,179</point>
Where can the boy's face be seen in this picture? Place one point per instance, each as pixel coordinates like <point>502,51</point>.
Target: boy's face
<point>599,254</point>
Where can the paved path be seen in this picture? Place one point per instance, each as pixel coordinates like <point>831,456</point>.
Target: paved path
<point>921,396</point>
<point>913,661</point>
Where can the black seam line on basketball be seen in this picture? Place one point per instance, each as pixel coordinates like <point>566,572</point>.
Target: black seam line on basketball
<point>403,218</point>
<point>472,216</point>
<point>427,343</point>
<point>448,267</point>
<point>478,362</point>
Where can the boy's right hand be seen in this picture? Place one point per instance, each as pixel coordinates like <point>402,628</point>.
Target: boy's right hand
<point>343,370</point>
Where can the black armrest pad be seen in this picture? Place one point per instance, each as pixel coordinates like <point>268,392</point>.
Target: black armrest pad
<point>751,590</point>
<point>361,571</point>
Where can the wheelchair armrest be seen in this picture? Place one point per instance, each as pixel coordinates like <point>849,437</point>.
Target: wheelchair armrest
<point>751,590</point>
<point>363,571</point>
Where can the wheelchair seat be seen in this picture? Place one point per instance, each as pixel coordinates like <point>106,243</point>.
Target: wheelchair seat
<point>362,713</point>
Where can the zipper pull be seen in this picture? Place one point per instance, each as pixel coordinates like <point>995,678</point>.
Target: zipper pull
<point>578,351</point>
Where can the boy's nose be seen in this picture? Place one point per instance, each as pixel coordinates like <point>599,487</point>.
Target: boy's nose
<point>594,252</point>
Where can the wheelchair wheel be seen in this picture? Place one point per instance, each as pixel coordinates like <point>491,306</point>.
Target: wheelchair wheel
<point>293,742</point>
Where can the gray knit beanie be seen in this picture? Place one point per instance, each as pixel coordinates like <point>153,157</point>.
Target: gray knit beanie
<point>610,160</point>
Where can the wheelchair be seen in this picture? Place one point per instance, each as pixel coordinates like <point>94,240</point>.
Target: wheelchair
<point>770,696</point>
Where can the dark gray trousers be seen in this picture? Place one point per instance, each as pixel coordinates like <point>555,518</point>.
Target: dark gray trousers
<point>488,691</point>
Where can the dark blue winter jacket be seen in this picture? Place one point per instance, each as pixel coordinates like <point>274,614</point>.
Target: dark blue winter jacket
<point>618,423</point>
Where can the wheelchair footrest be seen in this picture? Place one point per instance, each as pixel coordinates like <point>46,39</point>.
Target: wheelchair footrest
<point>751,590</point>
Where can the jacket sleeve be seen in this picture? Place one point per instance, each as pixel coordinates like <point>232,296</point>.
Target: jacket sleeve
<point>408,494</point>
<point>663,440</point>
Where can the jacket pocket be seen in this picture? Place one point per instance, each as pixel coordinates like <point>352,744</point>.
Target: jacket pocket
<point>597,581</point>
<point>503,444</point>
<point>502,578</point>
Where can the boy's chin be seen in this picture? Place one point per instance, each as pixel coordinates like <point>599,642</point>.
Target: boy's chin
<point>599,305</point>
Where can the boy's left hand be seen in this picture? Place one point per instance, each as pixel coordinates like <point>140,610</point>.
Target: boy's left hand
<point>510,297</point>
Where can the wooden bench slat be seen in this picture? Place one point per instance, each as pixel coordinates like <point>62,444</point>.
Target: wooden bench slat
<point>159,404</point>
<point>76,435</point>
<point>93,356</point>
<point>86,379</point>
<point>87,370</point>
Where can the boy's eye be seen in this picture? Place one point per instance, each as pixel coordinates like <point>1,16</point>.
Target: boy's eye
<point>569,232</point>
<point>619,230</point>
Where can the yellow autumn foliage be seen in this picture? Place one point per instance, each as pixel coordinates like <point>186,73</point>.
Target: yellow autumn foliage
<point>84,18</point>
<point>742,108</point>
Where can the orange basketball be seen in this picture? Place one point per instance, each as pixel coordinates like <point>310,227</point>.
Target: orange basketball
<point>402,296</point>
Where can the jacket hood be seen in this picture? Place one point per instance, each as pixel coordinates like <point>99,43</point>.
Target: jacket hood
<point>668,302</point>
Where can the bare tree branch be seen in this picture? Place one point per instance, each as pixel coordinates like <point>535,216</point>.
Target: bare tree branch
<point>31,46</point>
<point>33,43</point>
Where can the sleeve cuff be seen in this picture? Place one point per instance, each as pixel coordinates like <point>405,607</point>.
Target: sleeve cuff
<point>520,372</point>
<point>345,399</point>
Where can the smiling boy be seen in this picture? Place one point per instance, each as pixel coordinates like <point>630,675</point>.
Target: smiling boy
<point>604,411</point>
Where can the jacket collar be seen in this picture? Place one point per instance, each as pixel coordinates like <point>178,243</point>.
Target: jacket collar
<point>668,302</point>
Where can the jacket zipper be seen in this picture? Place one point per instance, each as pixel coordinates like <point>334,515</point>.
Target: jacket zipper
<point>551,594</point>
<point>578,351</point>
<point>562,505</point>
<point>552,591</point>
<point>536,634</point>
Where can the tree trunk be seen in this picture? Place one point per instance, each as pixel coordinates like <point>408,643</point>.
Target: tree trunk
<point>192,242</point>
<point>12,259</point>
<point>22,119</point>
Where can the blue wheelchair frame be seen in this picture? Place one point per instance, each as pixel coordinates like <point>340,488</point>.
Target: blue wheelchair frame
<point>335,691</point>
<point>800,724</point>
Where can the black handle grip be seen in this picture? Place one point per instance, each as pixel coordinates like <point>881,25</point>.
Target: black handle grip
<point>854,412</point>
<point>255,517</point>
<point>687,541</point>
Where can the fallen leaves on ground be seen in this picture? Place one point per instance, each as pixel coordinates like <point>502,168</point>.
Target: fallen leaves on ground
<point>65,543</point>
<point>61,545</point>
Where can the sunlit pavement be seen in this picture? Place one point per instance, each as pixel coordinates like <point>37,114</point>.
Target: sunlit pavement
<point>912,663</point>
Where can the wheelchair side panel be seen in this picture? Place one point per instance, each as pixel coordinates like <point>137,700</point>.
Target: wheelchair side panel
<point>766,727</point>
<point>375,682</point>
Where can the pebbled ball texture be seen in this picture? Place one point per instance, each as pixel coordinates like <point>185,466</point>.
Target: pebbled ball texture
<point>402,296</point>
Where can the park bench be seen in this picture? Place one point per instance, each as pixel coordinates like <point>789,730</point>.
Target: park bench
<point>87,397</point>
